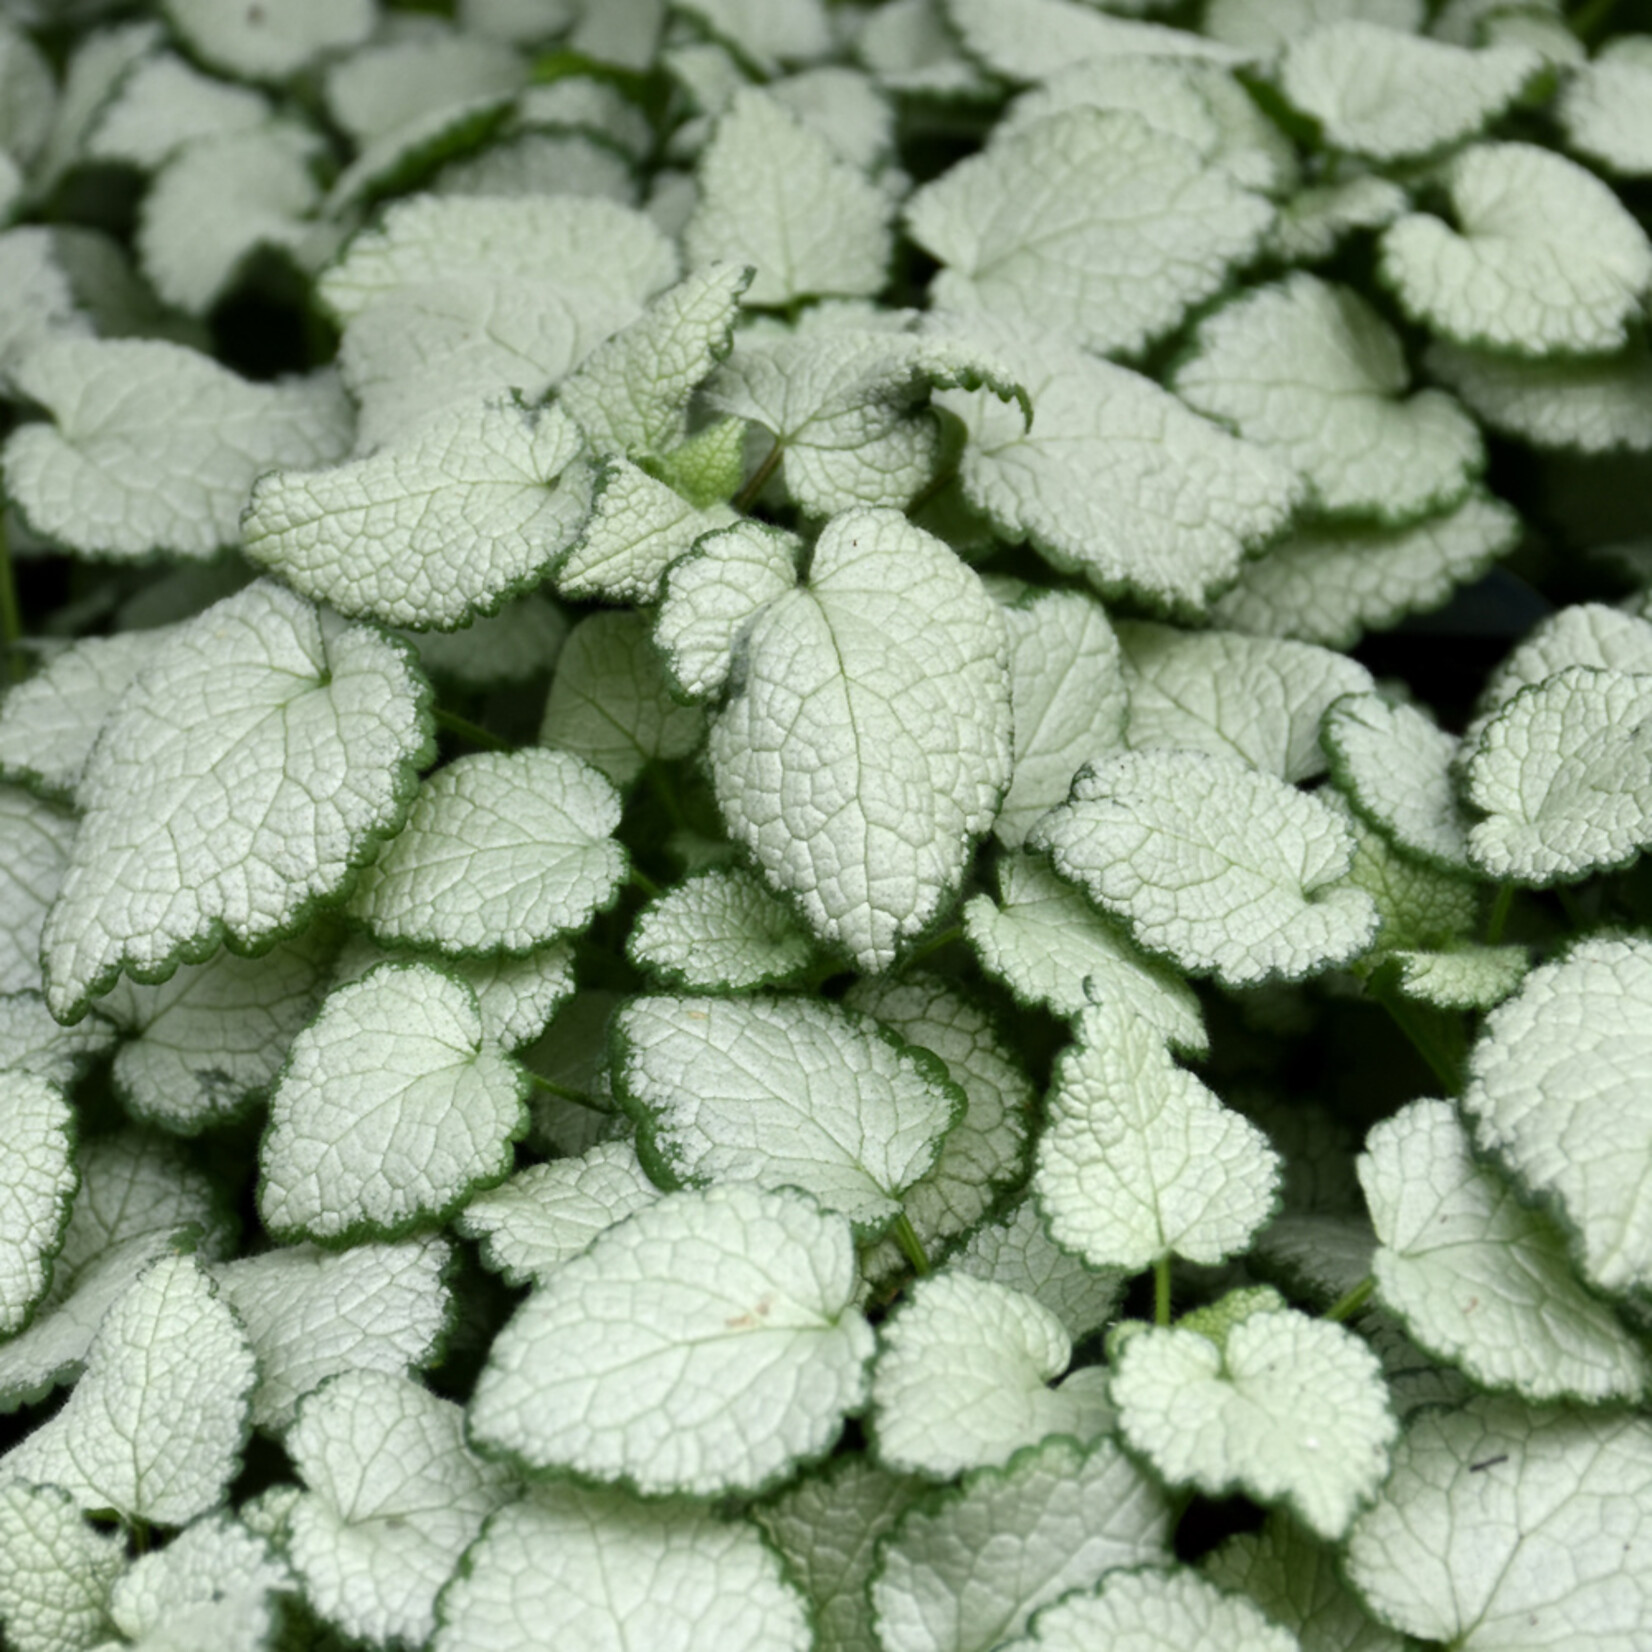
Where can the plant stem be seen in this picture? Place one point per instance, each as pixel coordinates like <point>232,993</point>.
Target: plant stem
<point>561,1091</point>
<point>11,613</point>
<point>461,728</point>
<point>1424,1033</point>
<point>912,1248</point>
<point>1347,1306</point>
<point>935,485</point>
<point>1161,1290</point>
<point>641,880</point>
<point>1571,906</point>
<point>934,944</point>
<point>747,496</point>
<point>659,783</point>
<point>1589,21</point>
<point>1499,913</point>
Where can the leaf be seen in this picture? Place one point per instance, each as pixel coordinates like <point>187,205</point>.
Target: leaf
<point>547,1214</point>
<point>56,1571</point>
<point>828,1529</point>
<point>1555,1096</point>
<point>1391,96</point>
<point>1117,480</point>
<point>630,397</point>
<point>198,1046</point>
<point>609,701</point>
<point>1602,107</point>
<point>1315,221</point>
<point>706,1344</point>
<point>1544,261</point>
<point>41,303</point>
<point>1286,1408</point>
<point>390,1111</point>
<point>909,46</point>
<point>153,447</point>
<point>1268,26</point>
<point>1049,946</point>
<point>1068,699</point>
<point>849,409</point>
<point>502,852</point>
<point>1451,1551</point>
<point>453,519</point>
<point>1395,767</point>
<point>1139,1161</point>
<point>1465,978</point>
<point>1329,584</point>
<point>718,931</point>
<point>257,46</point>
<point>967,1568</point>
<point>32,1042</point>
<point>1029,40</point>
<point>1590,406</point>
<point>961,1379</point>
<point>394,1498</point>
<point>774,194</point>
<point>1336,413</point>
<point>218,752</point>
<point>595,1568</point>
<point>155,1427</point>
<point>1479,1279</point>
<point>1559,776</point>
<point>1259,699</point>
<point>1152,1608</point>
<point>1147,229</point>
<point>781,1092</point>
<point>311,1315</point>
<point>38,1128</point>
<point>1293,1578</point>
<point>36,845</point>
<point>765,33</point>
<point>163,104</point>
<point>868,742</point>
<point>1225,869</point>
<point>517,644</point>
<point>1584,633</point>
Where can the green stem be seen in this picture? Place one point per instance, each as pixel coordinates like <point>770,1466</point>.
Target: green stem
<point>1571,906</point>
<point>1499,913</point>
<point>937,484</point>
<point>1161,1290</point>
<point>461,728</point>
<point>912,1247</point>
<point>1589,21</point>
<point>1424,1032</point>
<point>11,612</point>
<point>641,880</point>
<point>659,783</point>
<point>925,949</point>
<point>1346,1307</point>
<point>747,496</point>
<point>562,1092</point>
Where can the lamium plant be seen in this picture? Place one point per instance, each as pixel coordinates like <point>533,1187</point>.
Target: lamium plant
<point>819,825</point>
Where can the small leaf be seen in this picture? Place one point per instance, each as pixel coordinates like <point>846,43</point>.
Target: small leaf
<point>56,1571</point>
<point>163,104</point>
<point>1453,1550</point>
<point>1545,259</point>
<point>254,46</point>
<point>33,1042</point>
<point>961,1379</point>
<point>1227,870</point>
<point>706,1344</point>
<point>1603,106</point>
<point>1139,1160</point>
<point>37,1126</point>
<point>394,1499</point>
<point>1315,221</point>
<point>36,843</point>
<point>597,1569</point>
<point>965,1570</point>
<point>1481,1280</point>
<point>782,1092</point>
<point>1465,978</point>
<point>718,931</point>
<point>1286,1408</point>
<point>1583,633</point>
<point>1029,40</point>
<point>390,1111</point>
<point>1265,27</point>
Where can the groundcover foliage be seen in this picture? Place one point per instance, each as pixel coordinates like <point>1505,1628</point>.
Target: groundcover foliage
<point>747,901</point>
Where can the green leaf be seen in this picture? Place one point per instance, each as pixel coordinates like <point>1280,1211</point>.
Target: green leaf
<point>391,1110</point>
<point>41,303</point>
<point>868,742</point>
<point>56,1571</point>
<point>517,644</point>
<point>1030,40</point>
<point>1139,1161</point>
<point>272,747</point>
<point>706,1344</point>
<point>961,1379</point>
<point>155,1426</point>
<point>600,1570</point>
<point>1555,1095</point>
<point>1336,412</point>
<point>610,703</point>
<point>1545,259</point>
<point>774,194</point>
<point>720,931</point>
<point>153,447</point>
<point>394,1498</point>
<point>1228,870</point>
<point>36,845</point>
<point>1394,97</point>
<point>782,1092</point>
<point>1147,229</point>
<point>1315,221</point>
<point>37,1126</point>
<point>1457,1548</point>
<point>1049,946</point>
<point>255,46</point>
<point>33,1042</point>
<point>1259,699</point>
<point>1603,107</point>
<point>1481,1280</point>
<point>1285,1408</point>
<point>1116,480</point>
<point>967,1568</point>
<point>163,104</point>
<point>1268,26</point>
<point>311,1314</point>
<point>1584,633</point>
